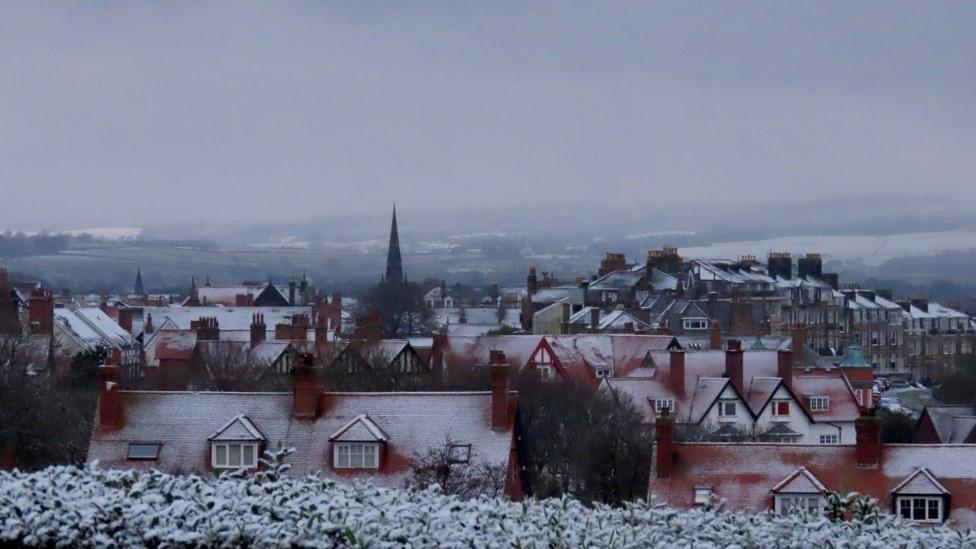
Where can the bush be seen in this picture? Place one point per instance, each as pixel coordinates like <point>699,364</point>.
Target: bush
<point>68,506</point>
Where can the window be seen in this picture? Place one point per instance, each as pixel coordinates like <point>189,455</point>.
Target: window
<point>726,408</point>
<point>545,372</point>
<point>703,495</point>
<point>604,372</point>
<point>459,453</point>
<point>356,455</point>
<point>235,455</point>
<point>143,450</point>
<point>859,395</point>
<point>695,324</point>
<point>781,407</point>
<point>661,404</point>
<point>811,503</point>
<point>920,509</point>
<point>819,403</point>
<point>830,439</point>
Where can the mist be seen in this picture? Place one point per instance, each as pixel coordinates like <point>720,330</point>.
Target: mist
<point>194,117</point>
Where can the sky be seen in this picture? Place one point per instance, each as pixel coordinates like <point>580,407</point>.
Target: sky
<point>130,113</point>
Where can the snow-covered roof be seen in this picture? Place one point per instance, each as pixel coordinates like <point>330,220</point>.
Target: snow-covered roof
<point>414,424</point>
<point>228,318</point>
<point>572,294</point>
<point>91,328</point>
<point>744,474</point>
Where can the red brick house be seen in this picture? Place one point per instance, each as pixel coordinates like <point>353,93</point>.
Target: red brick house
<point>340,435</point>
<point>926,483</point>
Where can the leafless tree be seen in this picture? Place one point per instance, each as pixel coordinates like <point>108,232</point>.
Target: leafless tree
<point>457,472</point>
<point>230,366</point>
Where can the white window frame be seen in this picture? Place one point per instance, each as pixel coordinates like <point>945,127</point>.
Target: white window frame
<point>774,411</point>
<point>227,446</point>
<point>814,503</point>
<point>910,501</point>
<point>830,438</point>
<point>546,371</point>
<point>356,455</point>
<point>695,324</point>
<point>819,403</point>
<point>661,403</point>
<point>723,412</point>
<point>459,453</point>
<point>604,372</point>
<point>702,496</point>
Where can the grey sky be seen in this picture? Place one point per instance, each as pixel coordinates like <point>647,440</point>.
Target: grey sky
<point>125,112</point>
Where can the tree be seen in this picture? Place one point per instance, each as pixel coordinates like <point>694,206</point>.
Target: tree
<point>452,468</point>
<point>958,385</point>
<point>230,366</point>
<point>400,307</point>
<point>896,427</point>
<point>589,444</point>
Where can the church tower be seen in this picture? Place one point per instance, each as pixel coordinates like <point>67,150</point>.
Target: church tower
<point>137,287</point>
<point>394,264</point>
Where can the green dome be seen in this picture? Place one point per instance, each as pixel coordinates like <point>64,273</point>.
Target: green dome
<point>854,358</point>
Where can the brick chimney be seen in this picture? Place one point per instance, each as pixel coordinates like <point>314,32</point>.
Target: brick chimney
<point>109,396</point>
<point>676,377</point>
<point>734,367</point>
<point>499,391</point>
<point>207,328</point>
<point>715,336</point>
<point>305,388</point>
<point>868,432</point>
<point>259,330</point>
<point>147,326</point>
<point>125,319</point>
<point>784,367</point>
<point>243,300</point>
<point>321,331</point>
<point>664,439</point>
<point>594,320</point>
<point>439,347</point>
<point>799,343</point>
<point>41,314</point>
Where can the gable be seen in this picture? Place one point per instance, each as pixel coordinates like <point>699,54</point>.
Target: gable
<point>800,481</point>
<point>271,296</point>
<point>920,482</point>
<point>360,429</point>
<point>239,428</point>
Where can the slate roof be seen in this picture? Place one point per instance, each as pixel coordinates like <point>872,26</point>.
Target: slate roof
<point>745,474</point>
<point>414,423</point>
<point>953,424</point>
<point>228,318</point>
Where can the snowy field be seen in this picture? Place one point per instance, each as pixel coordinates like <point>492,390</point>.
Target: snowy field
<point>70,507</point>
<point>873,250</point>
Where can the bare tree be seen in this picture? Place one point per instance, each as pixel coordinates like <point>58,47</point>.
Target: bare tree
<point>230,366</point>
<point>457,472</point>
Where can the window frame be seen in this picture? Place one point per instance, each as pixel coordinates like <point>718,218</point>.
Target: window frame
<point>910,500</point>
<point>701,495</point>
<point>658,408</point>
<point>723,412</point>
<point>349,447</point>
<point>775,412</point>
<point>128,454</point>
<point>824,399</point>
<point>227,444</point>
<point>454,459</point>
<point>780,501</point>
<point>832,438</point>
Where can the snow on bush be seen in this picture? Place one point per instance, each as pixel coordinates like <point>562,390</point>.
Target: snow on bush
<point>69,507</point>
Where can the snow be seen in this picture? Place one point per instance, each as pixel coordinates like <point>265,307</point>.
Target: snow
<point>873,250</point>
<point>66,506</point>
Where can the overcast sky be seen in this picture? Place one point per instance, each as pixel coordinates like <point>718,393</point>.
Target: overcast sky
<point>129,113</point>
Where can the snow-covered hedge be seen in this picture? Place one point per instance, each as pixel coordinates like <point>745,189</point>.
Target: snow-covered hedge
<point>66,506</point>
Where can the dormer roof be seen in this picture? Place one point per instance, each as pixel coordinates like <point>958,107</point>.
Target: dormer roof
<point>360,429</point>
<point>801,481</point>
<point>921,482</point>
<point>238,428</point>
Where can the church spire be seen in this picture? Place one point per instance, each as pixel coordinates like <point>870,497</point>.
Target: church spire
<point>137,288</point>
<point>394,264</point>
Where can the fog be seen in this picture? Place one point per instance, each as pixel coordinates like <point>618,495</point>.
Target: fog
<point>171,113</point>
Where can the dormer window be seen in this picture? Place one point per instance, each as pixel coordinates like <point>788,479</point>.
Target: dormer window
<point>921,498</point>
<point>662,404</point>
<point>819,403</point>
<point>234,455</point>
<point>356,455</point>
<point>358,444</point>
<point>236,445</point>
<point>703,496</point>
<point>726,408</point>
